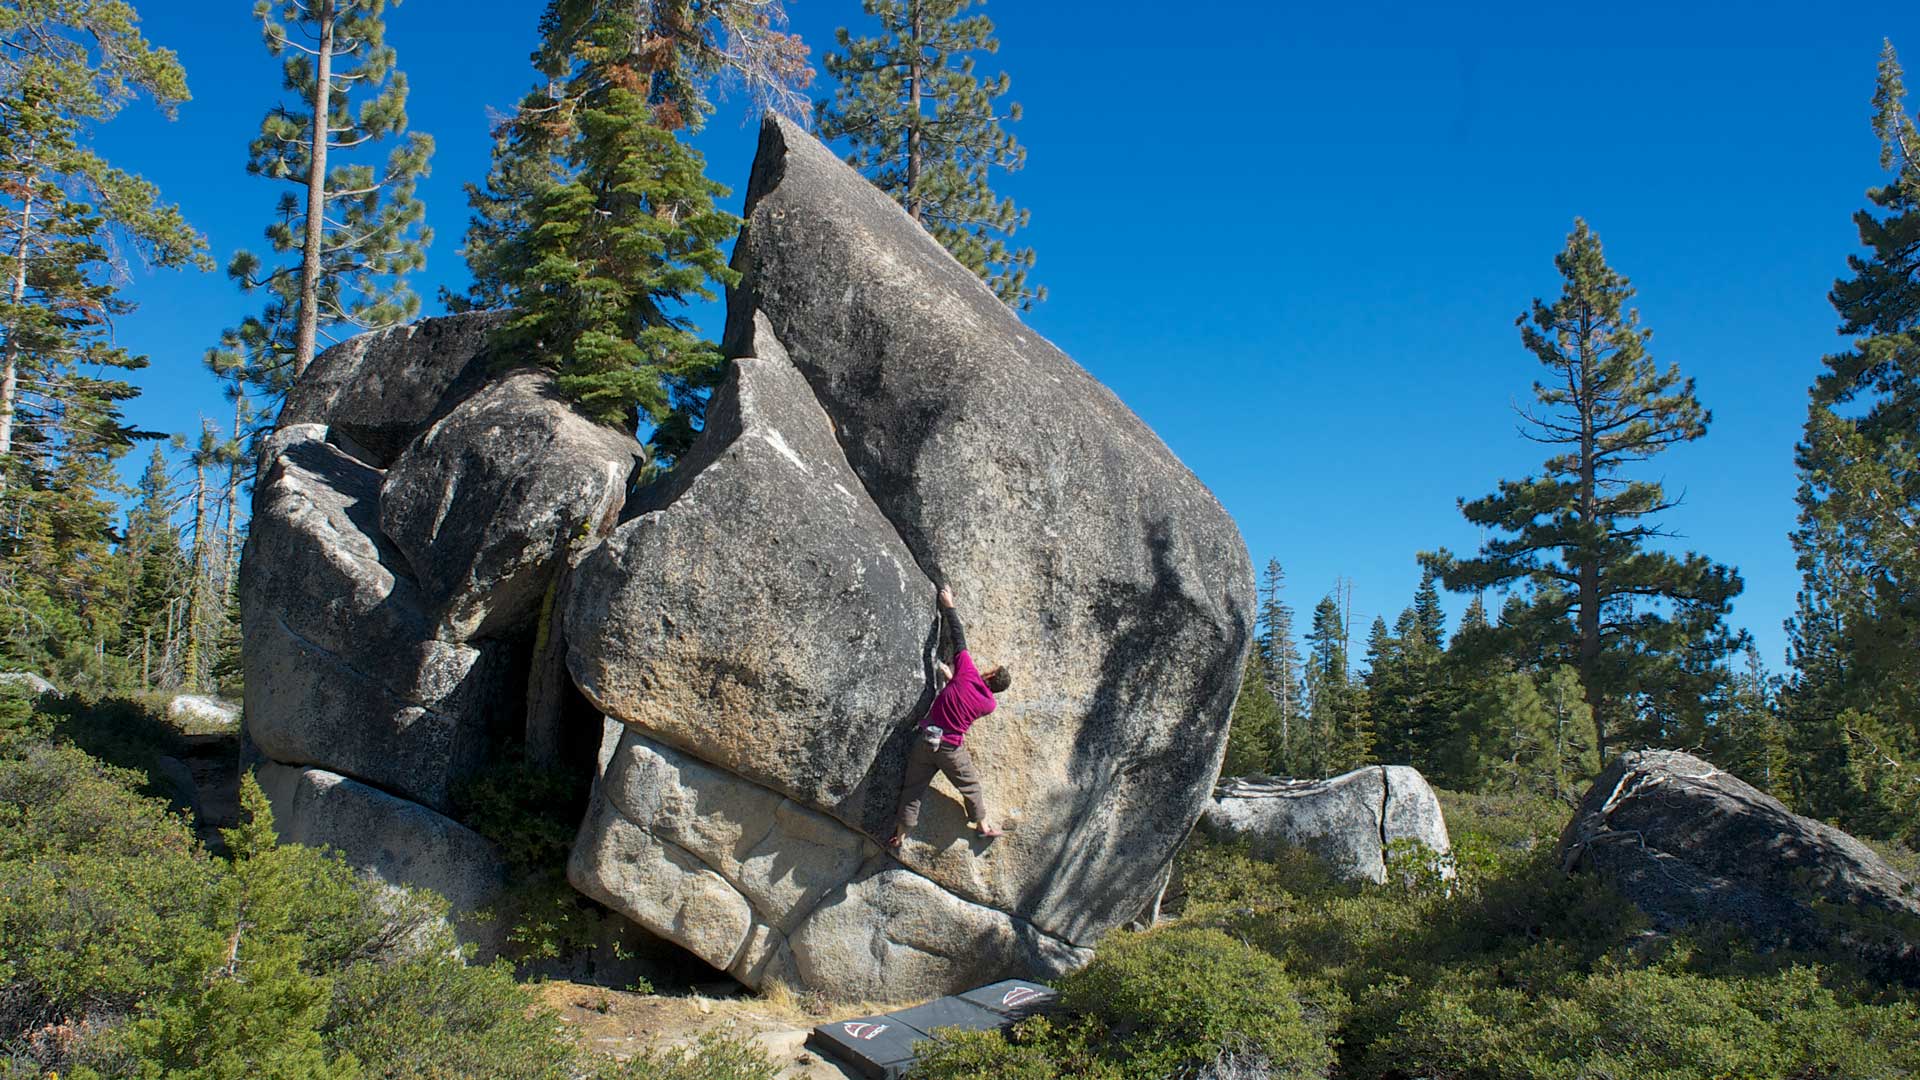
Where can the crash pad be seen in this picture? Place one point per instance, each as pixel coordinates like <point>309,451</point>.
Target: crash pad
<point>882,1047</point>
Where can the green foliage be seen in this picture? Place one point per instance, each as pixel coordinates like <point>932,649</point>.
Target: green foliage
<point>1180,998</point>
<point>1515,969</point>
<point>531,814</point>
<point>71,219</point>
<point>597,224</point>
<point>433,1017</point>
<point>1855,640</point>
<point>1641,627</point>
<point>1258,735</point>
<point>127,951</point>
<point>923,127</point>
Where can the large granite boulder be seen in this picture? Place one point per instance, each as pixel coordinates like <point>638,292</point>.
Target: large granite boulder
<point>378,390</point>
<point>485,502</point>
<point>767,622</point>
<point>342,669</point>
<point>1349,820</point>
<point>1686,842</point>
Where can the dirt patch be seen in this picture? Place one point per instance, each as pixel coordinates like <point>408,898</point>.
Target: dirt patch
<point>620,1023</point>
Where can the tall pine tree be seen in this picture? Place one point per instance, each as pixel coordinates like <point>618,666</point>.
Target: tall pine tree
<point>1855,639</point>
<point>1580,534</point>
<point>924,127</point>
<point>356,227</point>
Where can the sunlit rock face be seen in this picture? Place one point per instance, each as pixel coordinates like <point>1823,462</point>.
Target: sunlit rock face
<point>763,631</point>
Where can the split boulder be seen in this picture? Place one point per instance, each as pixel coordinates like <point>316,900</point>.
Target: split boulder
<point>1350,820</point>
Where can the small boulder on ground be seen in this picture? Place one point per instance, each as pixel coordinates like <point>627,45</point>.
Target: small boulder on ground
<point>1349,820</point>
<point>202,710</point>
<point>28,682</point>
<point>1688,843</point>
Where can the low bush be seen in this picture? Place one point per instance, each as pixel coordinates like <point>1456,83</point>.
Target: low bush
<point>128,951</point>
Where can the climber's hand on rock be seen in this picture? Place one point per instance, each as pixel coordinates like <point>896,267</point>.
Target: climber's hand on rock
<point>946,597</point>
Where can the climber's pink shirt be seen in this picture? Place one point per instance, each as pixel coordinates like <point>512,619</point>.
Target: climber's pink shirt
<point>963,700</point>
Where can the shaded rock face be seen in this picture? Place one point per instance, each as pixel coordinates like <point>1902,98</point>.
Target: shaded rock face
<point>376,391</point>
<point>1348,820</point>
<point>764,628</point>
<point>1686,842</point>
<point>391,613</point>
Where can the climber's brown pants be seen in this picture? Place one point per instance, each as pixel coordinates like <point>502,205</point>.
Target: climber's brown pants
<point>922,763</point>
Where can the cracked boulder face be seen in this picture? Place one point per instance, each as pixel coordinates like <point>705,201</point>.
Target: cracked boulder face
<point>1688,843</point>
<point>485,502</point>
<point>1349,820</point>
<point>764,630</point>
<point>391,613</point>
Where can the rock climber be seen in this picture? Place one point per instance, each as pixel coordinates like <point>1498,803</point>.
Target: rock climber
<point>940,744</point>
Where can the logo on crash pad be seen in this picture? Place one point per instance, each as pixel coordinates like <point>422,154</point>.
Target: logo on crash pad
<point>1018,996</point>
<point>863,1031</point>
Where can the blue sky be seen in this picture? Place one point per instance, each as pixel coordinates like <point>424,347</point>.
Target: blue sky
<point>1294,238</point>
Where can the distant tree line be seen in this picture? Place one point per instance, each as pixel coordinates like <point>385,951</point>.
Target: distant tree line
<point>1606,639</point>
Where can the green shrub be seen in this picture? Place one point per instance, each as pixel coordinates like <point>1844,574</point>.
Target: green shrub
<point>956,1054</point>
<point>1653,1024</point>
<point>435,1018</point>
<point>1177,999</point>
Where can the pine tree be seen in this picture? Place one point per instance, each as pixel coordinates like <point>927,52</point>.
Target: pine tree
<point>1254,741</point>
<point>924,128</point>
<point>1579,533</point>
<point>598,223</point>
<point>357,229</point>
<point>156,577</point>
<point>1282,667</point>
<point>1855,640</point>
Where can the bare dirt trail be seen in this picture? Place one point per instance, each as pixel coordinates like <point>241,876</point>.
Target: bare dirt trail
<point>620,1023</point>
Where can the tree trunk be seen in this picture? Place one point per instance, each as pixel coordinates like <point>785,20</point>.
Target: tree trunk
<point>10,378</point>
<point>233,492</point>
<point>309,327</point>
<point>913,117</point>
<point>1589,566</point>
<point>197,588</point>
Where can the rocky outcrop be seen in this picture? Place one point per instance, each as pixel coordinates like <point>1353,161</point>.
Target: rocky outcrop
<point>765,617</point>
<point>485,502</point>
<point>1686,843</point>
<point>764,628</point>
<point>378,390</point>
<point>1349,820</point>
<point>342,670</point>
